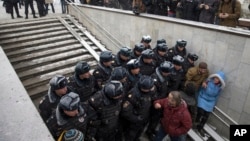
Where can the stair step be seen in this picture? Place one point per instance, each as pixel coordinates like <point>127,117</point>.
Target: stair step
<point>32,32</point>
<point>27,28</point>
<point>52,66</point>
<point>45,53</point>
<point>33,38</point>
<point>44,78</point>
<point>29,50</point>
<point>213,134</point>
<point>16,46</point>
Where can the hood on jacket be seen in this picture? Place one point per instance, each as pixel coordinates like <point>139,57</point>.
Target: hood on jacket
<point>221,76</point>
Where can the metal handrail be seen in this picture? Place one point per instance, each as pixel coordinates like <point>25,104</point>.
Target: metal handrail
<point>111,38</point>
<point>225,115</point>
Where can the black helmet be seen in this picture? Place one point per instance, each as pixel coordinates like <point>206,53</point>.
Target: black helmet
<point>166,66</point>
<point>181,43</point>
<point>145,82</point>
<point>106,56</point>
<point>125,51</point>
<point>118,73</point>
<point>82,67</point>
<point>133,64</point>
<point>160,41</point>
<point>193,57</point>
<point>139,47</point>
<point>148,53</point>
<point>162,47</point>
<point>69,102</point>
<point>146,38</point>
<point>58,82</point>
<point>178,60</point>
<point>113,89</point>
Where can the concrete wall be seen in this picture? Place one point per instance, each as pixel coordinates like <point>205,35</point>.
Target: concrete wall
<point>19,118</point>
<point>223,48</point>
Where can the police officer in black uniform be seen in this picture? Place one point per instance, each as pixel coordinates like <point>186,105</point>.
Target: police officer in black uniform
<point>70,114</point>
<point>82,82</point>
<point>136,108</point>
<point>178,49</point>
<point>104,68</point>
<point>147,63</point>
<point>120,74</point>
<point>136,53</point>
<point>133,69</point>
<point>146,40</point>
<point>189,61</point>
<point>107,105</point>
<point>58,87</point>
<point>161,80</point>
<point>160,52</point>
<point>177,75</point>
<point>122,57</point>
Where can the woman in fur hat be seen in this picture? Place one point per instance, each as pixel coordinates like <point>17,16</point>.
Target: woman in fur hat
<point>208,96</point>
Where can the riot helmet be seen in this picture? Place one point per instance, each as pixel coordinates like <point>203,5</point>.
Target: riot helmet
<point>139,47</point>
<point>160,41</point>
<point>118,73</point>
<point>133,64</point>
<point>145,82</point>
<point>69,102</point>
<point>113,89</point>
<point>193,57</point>
<point>178,60</point>
<point>148,54</point>
<point>125,51</point>
<point>106,56</point>
<point>166,67</point>
<point>58,82</point>
<point>181,43</point>
<point>82,67</point>
<point>162,47</point>
<point>146,38</point>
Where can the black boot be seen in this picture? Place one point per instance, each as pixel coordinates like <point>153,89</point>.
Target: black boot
<point>34,16</point>
<point>26,17</point>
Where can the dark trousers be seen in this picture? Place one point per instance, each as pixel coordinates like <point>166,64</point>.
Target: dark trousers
<point>201,118</point>
<point>10,6</point>
<point>47,7</point>
<point>41,7</point>
<point>134,132</point>
<point>28,3</point>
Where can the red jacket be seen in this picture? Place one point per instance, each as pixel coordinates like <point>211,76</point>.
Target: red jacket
<point>176,121</point>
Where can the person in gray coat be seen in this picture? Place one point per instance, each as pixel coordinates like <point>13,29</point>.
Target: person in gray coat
<point>208,8</point>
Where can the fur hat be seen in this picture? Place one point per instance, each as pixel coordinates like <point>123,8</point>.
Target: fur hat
<point>70,102</point>
<point>73,135</point>
<point>221,76</point>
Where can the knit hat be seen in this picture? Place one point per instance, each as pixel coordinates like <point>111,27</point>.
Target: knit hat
<point>73,135</point>
<point>203,65</point>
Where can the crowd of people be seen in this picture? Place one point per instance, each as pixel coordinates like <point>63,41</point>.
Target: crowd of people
<point>159,90</point>
<point>42,6</point>
<point>220,12</point>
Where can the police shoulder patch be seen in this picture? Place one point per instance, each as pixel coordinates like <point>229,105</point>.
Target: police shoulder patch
<point>129,95</point>
<point>125,104</point>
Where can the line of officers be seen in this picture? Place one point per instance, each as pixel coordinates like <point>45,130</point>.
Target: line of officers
<point>115,102</point>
